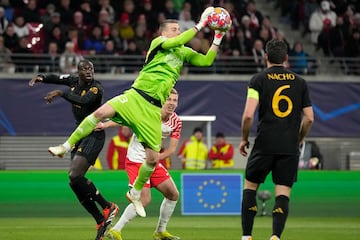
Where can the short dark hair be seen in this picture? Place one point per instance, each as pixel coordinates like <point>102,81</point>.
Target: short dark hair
<point>276,51</point>
<point>220,135</point>
<point>197,129</point>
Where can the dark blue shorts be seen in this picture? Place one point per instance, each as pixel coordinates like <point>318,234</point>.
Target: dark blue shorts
<point>90,146</point>
<point>283,168</point>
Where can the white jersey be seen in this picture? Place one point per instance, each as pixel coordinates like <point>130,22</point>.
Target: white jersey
<point>172,128</point>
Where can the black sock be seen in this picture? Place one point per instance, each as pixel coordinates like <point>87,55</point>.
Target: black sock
<point>86,201</point>
<point>96,195</point>
<point>248,211</point>
<point>280,213</point>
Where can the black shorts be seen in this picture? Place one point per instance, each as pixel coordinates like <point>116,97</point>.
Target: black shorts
<point>283,168</point>
<point>90,146</point>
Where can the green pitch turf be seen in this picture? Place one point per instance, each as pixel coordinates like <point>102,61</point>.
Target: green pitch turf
<point>188,228</point>
<point>37,205</point>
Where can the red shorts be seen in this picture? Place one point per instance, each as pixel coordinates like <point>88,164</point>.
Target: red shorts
<point>159,175</point>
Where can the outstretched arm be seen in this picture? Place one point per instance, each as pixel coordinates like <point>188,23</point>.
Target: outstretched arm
<point>65,79</point>
<point>179,40</point>
<point>89,97</point>
<point>198,59</point>
<point>186,36</point>
<point>51,95</point>
<point>201,60</point>
<point>35,80</point>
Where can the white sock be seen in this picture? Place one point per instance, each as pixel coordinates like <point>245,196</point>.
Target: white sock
<point>128,215</point>
<point>67,146</point>
<point>166,210</point>
<point>135,193</point>
<point>246,238</point>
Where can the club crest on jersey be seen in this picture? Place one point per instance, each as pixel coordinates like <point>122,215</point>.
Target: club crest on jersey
<point>94,90</point>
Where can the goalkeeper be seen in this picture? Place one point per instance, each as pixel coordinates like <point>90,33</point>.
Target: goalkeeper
<point>140,106</point>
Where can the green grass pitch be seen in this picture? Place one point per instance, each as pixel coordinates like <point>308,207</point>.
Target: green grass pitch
<point>37,205</point>
<point>187,227</point>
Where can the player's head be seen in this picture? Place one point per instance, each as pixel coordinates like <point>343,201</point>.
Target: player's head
<point>169,28</point>
<point>171,102</point>
<point>276,51</point>
<point>86,70</point>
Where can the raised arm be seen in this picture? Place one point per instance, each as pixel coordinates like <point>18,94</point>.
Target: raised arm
<point>186,36</point>
<point>65,79</point>
<point>198,59</point>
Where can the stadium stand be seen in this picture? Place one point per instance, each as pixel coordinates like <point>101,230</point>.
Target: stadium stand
<point>27,153</point>
<point>267,19</point>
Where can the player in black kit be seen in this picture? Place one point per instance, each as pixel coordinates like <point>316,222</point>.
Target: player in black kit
<point>85,95</point>
<point>285,117</point>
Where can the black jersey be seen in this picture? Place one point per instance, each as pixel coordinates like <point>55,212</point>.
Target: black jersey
<point>85,99</point>
<point>282,96</point>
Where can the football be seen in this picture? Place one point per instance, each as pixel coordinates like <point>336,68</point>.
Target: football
<point>219,19</point>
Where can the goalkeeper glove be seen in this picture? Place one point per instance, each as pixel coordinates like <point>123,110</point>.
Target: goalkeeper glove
<point>204,18</point>
<point>218,37</point>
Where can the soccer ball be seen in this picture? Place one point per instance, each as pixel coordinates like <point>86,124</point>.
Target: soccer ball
<point>219,19</point>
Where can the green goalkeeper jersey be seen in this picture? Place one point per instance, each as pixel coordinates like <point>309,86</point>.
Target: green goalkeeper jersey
<point>164,62</point>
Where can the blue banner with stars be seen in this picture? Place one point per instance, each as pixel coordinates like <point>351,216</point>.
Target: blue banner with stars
<point>211,194</point>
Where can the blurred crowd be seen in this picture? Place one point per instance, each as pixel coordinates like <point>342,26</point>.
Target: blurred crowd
<point>67,30</point>
<point>333,26</point>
